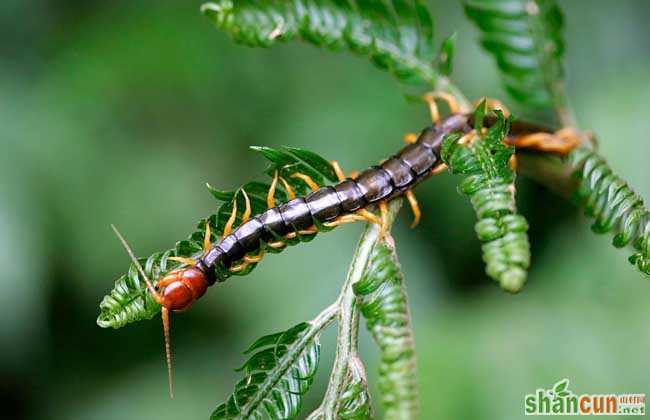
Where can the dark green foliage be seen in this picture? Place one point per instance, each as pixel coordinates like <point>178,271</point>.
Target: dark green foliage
<point>130,301</point>
<point>489,183</point>
<point>525,38</point>
<point>396,35</point>
<point>613,204</point>
<point>278,374</point>
<point>383,303</point>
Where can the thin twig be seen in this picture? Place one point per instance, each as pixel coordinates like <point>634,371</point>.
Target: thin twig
<point>348,317</point>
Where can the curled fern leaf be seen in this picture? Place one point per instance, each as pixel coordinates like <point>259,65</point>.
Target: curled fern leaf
<point>129,301</point>
<point>354,402</point>
<point>396,35</point>
<point>278,374</point>
<point>613,204</point>
<point>525,38</point>
<point>489,183</point>
<point>383,303</point>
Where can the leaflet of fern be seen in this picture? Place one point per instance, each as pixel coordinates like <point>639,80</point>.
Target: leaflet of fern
<point>489,184</point>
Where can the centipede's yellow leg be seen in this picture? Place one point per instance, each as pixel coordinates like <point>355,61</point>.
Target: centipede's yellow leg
<point>310,182</point>
<point>348,218</point>
<point>430,99</point>
<point>247,209</point>
<point>253,259</point>
<point>231,220</point>
<point>239,267</point>
<point>439,169</point>
<point>183,260</point>
<point>290,193</point>
<point>383,211</point>
<point>369,216</point>
<point>415,207</point>
<point>248,260</point>
<point>207,243</point>
<point>571,139</point>
<point>433,107</point>
<point>270,196</point>
<point>276,244</point>
<point>452,103</point>
<point>410,138</point>
<point>337,170</point>
<point>561,142</point>
<point>309,231</point>
<point>165,282</point>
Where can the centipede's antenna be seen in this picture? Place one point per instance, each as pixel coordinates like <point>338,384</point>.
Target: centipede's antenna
<point>158,298</point>
<point>168,350</point>
<point>135,262</point>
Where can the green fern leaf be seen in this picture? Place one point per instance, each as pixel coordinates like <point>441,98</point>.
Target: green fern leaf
<point>278,374</point>
<point>489,183</point>
<point>129,301</point>
<point>383,303</point>
<point>525,38</point>
<point>396,35</point>
<point>354,402</point>
<point>613,204</point>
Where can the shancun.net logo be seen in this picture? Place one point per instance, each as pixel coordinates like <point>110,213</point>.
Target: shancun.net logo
<point>561,401</point>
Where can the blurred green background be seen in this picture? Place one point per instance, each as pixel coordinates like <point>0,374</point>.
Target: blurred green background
<point>119,112</point>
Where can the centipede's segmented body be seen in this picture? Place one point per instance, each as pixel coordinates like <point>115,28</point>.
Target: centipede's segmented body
<point>325,206</point>
<point>393,177</point>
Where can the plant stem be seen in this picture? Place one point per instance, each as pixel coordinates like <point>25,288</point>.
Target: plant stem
<point>348,316</point>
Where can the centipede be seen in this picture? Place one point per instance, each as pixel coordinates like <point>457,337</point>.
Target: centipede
<point>353,198</point>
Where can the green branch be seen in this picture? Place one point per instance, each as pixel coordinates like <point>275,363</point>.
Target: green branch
<point>348,318</point>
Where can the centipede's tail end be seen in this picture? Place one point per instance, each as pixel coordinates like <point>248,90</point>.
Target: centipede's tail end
<point>168,350</point>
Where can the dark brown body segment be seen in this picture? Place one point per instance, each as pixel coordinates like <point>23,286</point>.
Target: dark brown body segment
<point>393,177</point>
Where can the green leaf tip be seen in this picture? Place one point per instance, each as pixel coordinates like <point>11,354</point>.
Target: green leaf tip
<point>354,402</point>
<point>396,35</point>
<point>488,181</point>
<point>445,60</point>
<point>479,115</point>
<point>613,204</point>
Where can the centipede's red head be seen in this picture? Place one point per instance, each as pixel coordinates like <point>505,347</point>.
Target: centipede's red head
<point>181,288</point>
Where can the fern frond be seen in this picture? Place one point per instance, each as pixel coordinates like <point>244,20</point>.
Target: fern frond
<point>278,374</point>
<point>129,301</point>
<point>525,38</point>
<point>489,183</point>
<point>384,305</point>
<point>354,402</point>
<point>396,35</point>
<point>613,204</point>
